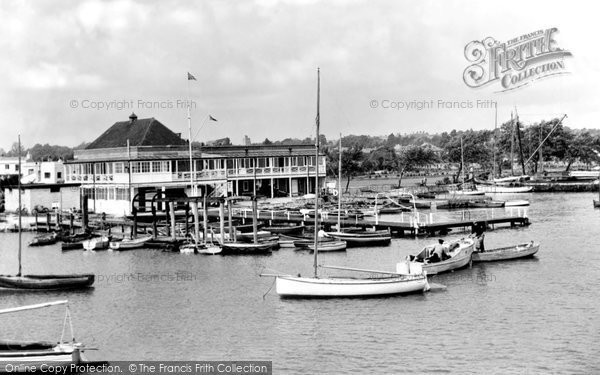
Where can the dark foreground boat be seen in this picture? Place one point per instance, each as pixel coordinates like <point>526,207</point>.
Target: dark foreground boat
<point>46,282</point>
<point>241,248</point>
<point>43,240</point>
<point>507,253</point>
<point>596,203</point>
<point>363,238</point>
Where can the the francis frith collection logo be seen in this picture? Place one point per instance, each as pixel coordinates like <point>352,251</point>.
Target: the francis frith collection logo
<point>514,63</point>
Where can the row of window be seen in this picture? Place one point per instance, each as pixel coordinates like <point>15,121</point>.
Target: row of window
<point>107,193</point>
<point>184,165</point>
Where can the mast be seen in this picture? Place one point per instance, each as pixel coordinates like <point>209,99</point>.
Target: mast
<point>462,163</point>
<point>494,145</point>
<point>189,119</point>
<point>541,169</point>
<point>517,129</point>
<point>19,186</point>
<point>318,122</point>
<point>340,185</point>
<point>512,145</point>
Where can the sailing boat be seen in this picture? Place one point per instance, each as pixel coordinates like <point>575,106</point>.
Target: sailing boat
<point>388,283</point>
<point>506,185</point>
<point>597,202</point>
<point>23,356</point>
<point>41,282</point>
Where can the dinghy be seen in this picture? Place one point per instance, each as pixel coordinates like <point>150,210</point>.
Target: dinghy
<point>43,240</point>
<point>129,244</point>
<point>329,246</point>
<point>95,244</point>
<point>20,356</point>
<point>363,238</point>
<point>459,252</point>
<point>507,253</point>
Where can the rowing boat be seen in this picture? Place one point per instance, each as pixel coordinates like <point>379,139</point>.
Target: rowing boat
<point>329,246</point>
<point>46,282</point>
<point>507,253</point>
<point>460,253</point>
<point>128,244</point>
<point>363,238</point>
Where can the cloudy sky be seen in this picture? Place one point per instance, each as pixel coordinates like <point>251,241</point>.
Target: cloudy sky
<point>255,64</point>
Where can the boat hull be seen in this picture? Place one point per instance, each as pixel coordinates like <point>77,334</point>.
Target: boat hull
<point>504,189</point>
<point>96,244</point>
<point>21,357</point>
<point>330,246</point>
<point>239,248</point>
<point>46,282</point>
<point>460,258</point>
<point>136,243</point>
<point>507,253</point>
<point>362,239</point>
<point>306,287</point>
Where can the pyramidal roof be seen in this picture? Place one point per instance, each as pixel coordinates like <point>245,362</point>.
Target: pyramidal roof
<point>139,132</point>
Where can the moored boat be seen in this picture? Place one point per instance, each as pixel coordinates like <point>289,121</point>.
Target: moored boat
<point>499,189</point>
<point>285,229</point>
<point>459,252</point>
<point>329,246</point>
<point>486,204</point>
<point>129,244</point>
<point>363,238</point>
<point>19,356</point>
<point>516,203</point>
<point>98,243</point>
<point>46,282</point>
<point>43,240</point>
<point>507,253</point>
<point>242,248</point>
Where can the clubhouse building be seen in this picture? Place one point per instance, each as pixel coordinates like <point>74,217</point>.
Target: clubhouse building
<point>140,159</point>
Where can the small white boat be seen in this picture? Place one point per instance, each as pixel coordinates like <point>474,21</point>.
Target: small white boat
<point>329,246</point>
<point>128,244</point>
<point>206,249</point>
<point>97,243</point>
<point>20,356</point>
<point>499,189</point>
<point>460,253</point>
<point>507,253</point>
<point>516,203</point>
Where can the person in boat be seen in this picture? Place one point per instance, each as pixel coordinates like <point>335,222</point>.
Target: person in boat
<point>479,236</point>
<point>439,253</point>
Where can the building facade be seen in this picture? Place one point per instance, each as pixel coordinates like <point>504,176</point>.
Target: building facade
<point>139,160</point>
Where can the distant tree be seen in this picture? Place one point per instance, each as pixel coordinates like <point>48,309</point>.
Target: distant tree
<point>14,150</point>
<point>410,157</point>
<point>582,147</point>
<point>47,152</point>
<point>384,158</point>
<point>267,142</point>
<point>352,159</point>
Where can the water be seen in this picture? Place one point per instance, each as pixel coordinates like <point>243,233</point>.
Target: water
<point>530,316</point>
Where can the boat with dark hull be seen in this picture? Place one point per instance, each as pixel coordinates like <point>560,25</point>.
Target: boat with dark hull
<point>363,238</point>
<point>46,282</point>
<point>241,248</point>
<point>44,240</point>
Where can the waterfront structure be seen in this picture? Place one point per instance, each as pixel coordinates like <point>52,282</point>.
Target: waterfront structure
<point>32,172</point>
<point>139,159</point>
<point>50,196</point>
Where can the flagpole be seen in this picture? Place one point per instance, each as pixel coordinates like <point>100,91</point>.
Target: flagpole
<point>189,119</point>
<point>20,212</point>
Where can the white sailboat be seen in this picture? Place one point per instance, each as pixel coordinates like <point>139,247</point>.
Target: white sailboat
<point>386,283</point>
<point>21,356</point>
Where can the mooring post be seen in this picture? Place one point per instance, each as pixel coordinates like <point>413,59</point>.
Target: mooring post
<point>254,220</point>
<point>135,222</point>
<point>173,223</point>
<point>222,220</point>
<point>48,221</point>
<point>71,220</point>
<point>154,225</point>
<point>196,222</point>
<point>229,219</point>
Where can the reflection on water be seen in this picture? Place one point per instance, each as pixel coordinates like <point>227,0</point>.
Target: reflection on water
<point>534,315</point>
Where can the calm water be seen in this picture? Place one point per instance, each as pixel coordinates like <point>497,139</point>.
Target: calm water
<point>531,316</point>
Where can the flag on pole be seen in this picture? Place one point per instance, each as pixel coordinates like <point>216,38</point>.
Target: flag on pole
<point>211,118</point>
<point>191,77</point>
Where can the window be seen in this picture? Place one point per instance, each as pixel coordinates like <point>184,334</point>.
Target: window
<point>118,167</point>
<point>156,167</point>
<point>6,166</point>
<point>135,167</point>
<point>111,193</point>
<point>59,175</point>
<point>165,166</point>
<point>46,174</point>
<point>145,167</point>
<point>122,194</point>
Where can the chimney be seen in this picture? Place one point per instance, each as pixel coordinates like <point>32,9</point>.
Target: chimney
<point>132,118</point>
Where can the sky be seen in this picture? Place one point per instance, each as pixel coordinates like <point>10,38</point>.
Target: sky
<point>71,69</point>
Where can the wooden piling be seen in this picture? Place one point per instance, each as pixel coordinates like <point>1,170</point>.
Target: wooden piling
<point>229,219</point>
<point>48,221</point>
<point>173,222</point>
<point>254,220</point>
<point>196,222</point>
<point>222,220</point>
<point>205,218</point>
<point>71,222</point>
